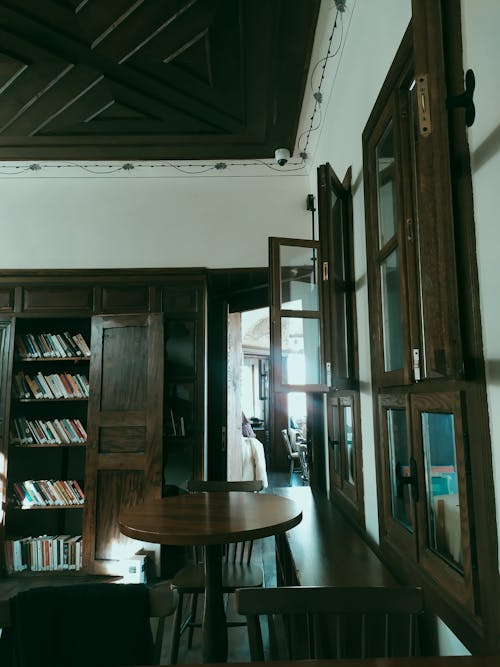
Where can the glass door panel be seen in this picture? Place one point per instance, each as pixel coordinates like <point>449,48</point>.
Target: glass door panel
<point>300,353</point>
<point>384,156</point>
<point>443,502</point>
<point>299,278</point>
<point>296,327</point>
<point>400,467</point>
<point>392,323</point>
<point>349,474</point>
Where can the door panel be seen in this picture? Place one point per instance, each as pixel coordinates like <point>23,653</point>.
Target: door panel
<point>124,453</point>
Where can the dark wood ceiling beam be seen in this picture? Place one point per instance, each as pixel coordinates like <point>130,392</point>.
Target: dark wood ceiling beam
<point>145,87</point>
<point>238,97</point>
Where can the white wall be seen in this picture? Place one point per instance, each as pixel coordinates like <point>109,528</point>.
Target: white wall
<point>74,220</point>
<point>357,80</point>
<point>481,19</point>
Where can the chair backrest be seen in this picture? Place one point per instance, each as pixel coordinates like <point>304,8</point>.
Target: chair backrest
<point>116,616</point>
<point>286,440</point>
<point>194,485</point>
<point>237,552</point>
<point>332,622</point>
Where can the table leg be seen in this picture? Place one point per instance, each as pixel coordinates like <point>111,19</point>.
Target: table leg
<point>214,630</point>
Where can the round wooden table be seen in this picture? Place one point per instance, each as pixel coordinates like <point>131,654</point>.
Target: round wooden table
<point>210,520</point>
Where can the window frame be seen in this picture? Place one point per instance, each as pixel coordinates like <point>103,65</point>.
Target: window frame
<point>443,223</point>
<point>277,313</point>
<point>340,334</point>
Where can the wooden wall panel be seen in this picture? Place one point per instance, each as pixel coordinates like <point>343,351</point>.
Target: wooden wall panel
<point>130,299</point>
<point>122,439</point>
<point>7,299</point>
<point>44,299</point>
<point>116,489</point>
<point>124,368</point>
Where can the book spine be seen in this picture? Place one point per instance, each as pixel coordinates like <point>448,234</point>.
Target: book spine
<point>80,341</point>
<point>33,387</point>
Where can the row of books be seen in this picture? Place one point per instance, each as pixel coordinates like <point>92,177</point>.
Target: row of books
<point>55,385</point>
<point>43,554</point>
<point>47,492</point>
<point>47,432</point>
<point>41,345</point>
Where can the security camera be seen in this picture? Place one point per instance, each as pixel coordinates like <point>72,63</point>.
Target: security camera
<point>281,156</point>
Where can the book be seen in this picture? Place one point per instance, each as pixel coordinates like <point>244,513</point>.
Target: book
<point>78,490</point>
<point>35,391</point>
<point>79,429</point>
<point>62,492</point>
<point>68,388</point>
<point>21,349</point>
<point>74,350</point>
<point>80,341</point>
<point>77,392</point>
<point>29,486</point>
<point>45,386</point>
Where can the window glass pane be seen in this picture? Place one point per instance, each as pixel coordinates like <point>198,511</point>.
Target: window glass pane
<point>392,325</point>
<point>300,351</point>
<point>299,279</point>
<point>399,462</point>
<point>384,155</point>
<point>348,446</point>
<point>338,221</point>
<point>336,438</point>
<point>443,505</point>
<point>341,341</point>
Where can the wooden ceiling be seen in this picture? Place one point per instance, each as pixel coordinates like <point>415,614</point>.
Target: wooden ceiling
<point>152,79</point>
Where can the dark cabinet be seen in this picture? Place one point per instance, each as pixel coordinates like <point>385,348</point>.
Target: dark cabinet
<point>183,307</point>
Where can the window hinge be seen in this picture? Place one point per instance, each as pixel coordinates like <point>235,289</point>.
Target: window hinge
<point>409,229</point>
<point>416,364</point>
<point>325,270</point>
<point>328,374</point>
<point>423,105</point>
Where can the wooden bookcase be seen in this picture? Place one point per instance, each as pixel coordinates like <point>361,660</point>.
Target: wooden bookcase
<point>47,437</point>
<point>146,333</point>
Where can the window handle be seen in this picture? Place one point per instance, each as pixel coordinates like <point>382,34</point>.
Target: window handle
<point>411,479</point>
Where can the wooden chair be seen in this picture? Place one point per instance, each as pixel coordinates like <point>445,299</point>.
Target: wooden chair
<point>297,458</point>
<point>106,612</point>
<point>331,622</point>
<point>237,569</point>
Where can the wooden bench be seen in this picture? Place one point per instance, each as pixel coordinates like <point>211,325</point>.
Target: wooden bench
<point>325,549</point>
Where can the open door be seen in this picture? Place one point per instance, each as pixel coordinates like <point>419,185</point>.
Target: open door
<point>297,371</point>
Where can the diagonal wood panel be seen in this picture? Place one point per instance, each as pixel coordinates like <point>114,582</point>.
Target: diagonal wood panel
<point>152,79</point>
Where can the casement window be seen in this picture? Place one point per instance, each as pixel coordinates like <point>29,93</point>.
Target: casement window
<point>340,339</point>
<point>295,311</point>
<point>434,475</point>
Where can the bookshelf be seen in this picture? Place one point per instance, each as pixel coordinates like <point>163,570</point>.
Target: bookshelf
<point>47,436</point>
<point>112,436</point>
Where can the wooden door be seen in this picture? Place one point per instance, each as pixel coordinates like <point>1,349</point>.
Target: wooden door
<point>124,453</point>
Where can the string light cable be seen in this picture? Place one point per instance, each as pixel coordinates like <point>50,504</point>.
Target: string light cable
<point>316,90</point>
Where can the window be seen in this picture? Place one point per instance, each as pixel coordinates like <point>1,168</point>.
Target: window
<point>296,342</point>
<point>340,341</point>
<point>425,402</point>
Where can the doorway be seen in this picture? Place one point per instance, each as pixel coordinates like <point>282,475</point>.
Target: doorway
<point>252,409</point>
<point>248,400</point>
